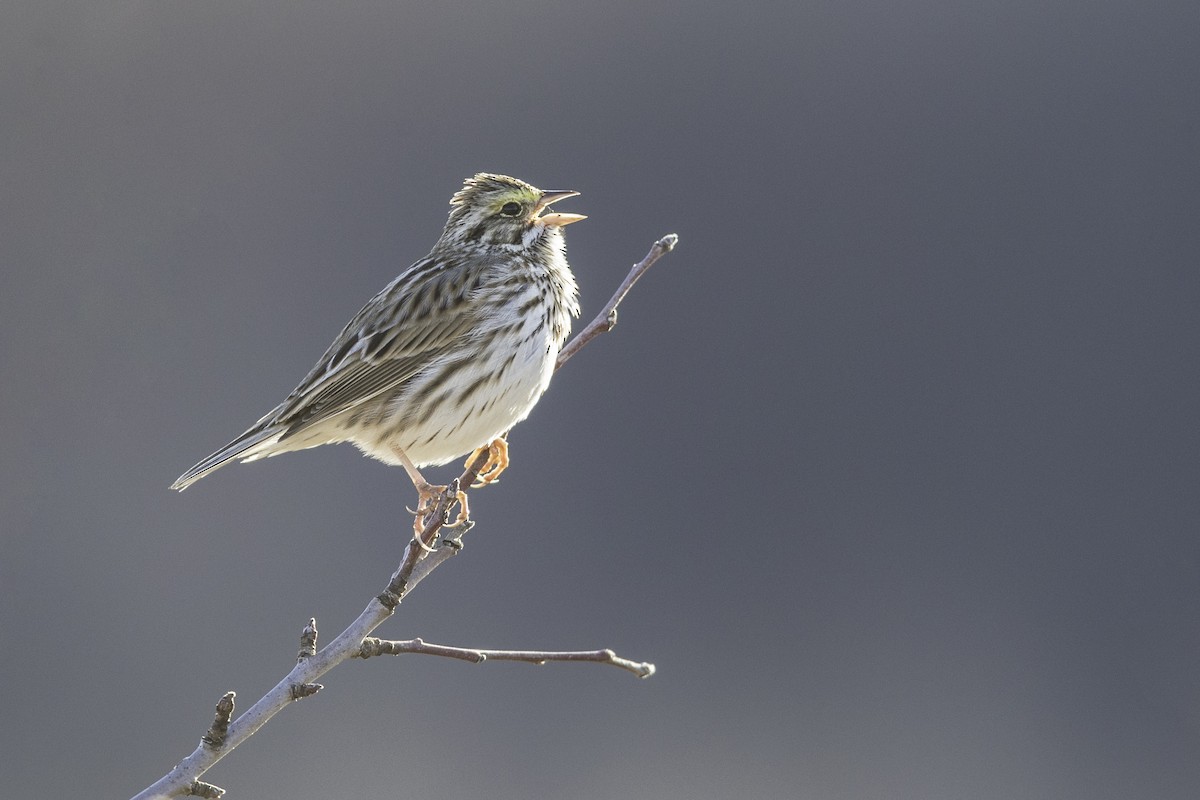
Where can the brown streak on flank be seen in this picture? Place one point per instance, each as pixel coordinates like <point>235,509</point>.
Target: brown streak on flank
<point>442,376</point>
<point>479,383</point>
<point>530,304</point>
<point>434,436</point>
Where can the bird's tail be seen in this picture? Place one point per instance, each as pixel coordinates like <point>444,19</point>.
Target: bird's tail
<point>254,443</point>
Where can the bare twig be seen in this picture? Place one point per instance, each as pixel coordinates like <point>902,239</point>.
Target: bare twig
<point>435,534</point>
<point>382,647</point>
<point>606,320</point>
<point>224,735</point>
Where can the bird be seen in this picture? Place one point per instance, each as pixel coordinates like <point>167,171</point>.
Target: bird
<point>449,356</point>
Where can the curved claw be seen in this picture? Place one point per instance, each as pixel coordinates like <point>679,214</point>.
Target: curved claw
<point>464,509</point>
<point>497,462</point>
<point>417,539</point>
<point>429,497</point>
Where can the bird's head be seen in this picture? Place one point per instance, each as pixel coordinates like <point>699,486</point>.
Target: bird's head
<point>496,209</point>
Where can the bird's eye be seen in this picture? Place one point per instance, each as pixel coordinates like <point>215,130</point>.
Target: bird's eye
<point>511,209</point>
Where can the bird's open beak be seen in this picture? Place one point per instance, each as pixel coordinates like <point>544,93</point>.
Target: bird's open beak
<point>558,220</point>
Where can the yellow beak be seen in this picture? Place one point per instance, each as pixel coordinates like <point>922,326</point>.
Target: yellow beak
<point>558,220</point>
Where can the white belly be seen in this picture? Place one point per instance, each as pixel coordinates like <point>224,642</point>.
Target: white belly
<point>522,374</point>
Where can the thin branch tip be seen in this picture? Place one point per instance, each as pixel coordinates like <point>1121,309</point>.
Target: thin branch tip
<point>606,320</point>
<point>372,646</point>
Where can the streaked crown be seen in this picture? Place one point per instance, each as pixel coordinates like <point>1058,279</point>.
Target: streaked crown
<point>487,190</point>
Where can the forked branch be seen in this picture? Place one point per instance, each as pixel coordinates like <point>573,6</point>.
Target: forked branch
<point>606,320</point>
<point>435,542</point>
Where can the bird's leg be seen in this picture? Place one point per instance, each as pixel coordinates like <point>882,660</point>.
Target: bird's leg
<point>428,495</point>
<point>497,462</point>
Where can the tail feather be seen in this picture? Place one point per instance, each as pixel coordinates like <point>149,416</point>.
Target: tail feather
<point>239,449</point>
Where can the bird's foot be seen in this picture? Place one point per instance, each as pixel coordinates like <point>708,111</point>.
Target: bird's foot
<point>429,502</point>
<point>497,462</point>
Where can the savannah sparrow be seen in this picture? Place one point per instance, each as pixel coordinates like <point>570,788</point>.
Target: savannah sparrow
<point>450,355</point>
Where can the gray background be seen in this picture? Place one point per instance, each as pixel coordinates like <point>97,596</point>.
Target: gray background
<point>891,467</point>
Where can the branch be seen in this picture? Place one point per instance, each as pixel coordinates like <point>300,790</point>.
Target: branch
<point>606,320</point>
<point>382,647</point>
<point>432,545</point>
<point>311,664</point>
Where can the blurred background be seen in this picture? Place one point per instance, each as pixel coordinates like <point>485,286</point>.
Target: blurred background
<point>891,468</point>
